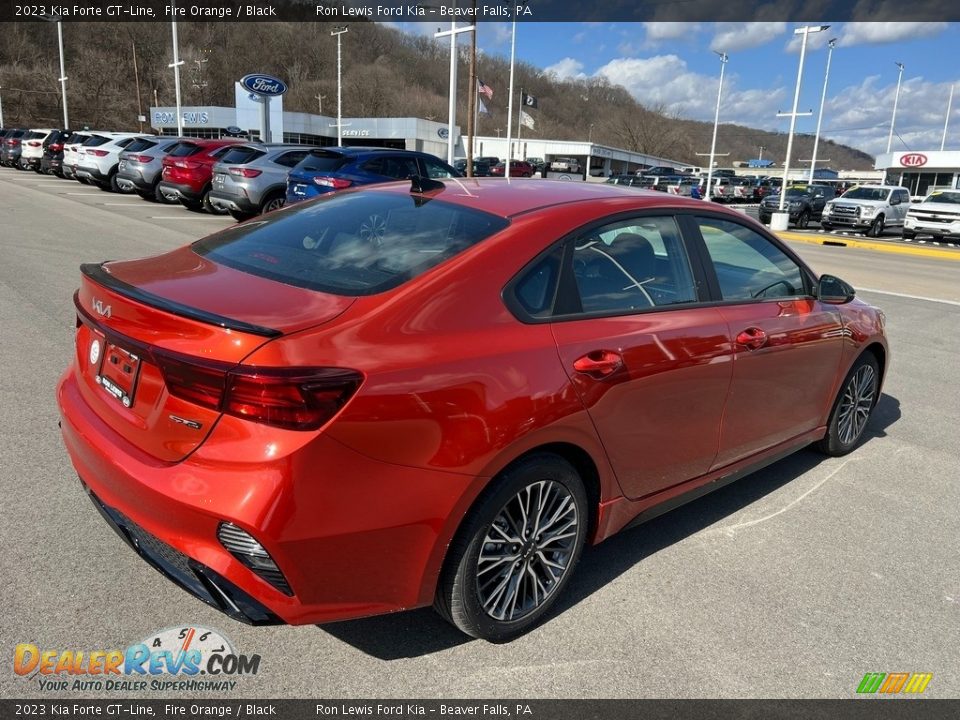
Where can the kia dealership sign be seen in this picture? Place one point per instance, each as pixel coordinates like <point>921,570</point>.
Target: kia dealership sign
<point>913,160</point>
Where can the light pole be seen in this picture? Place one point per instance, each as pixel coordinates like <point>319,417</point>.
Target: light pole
<point>513,55</point>
<point>805,31</point>
<point>452,100</point>
<point>338,31</point>
<point>1,107</point>
<point>177,62</point>
<point>826,77</point>
<point>760,159</point>
<point>63,75</point>
<point>716,121</point>
<point>943,142</point>
<point>320,103</point>
<point>896,99</point>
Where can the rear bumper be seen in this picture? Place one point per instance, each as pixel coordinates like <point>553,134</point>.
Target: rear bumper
<point>229,201</point>
<point>183,191</point>
<point>91,172</point>
<point>353,536</point>
<point>129,179</point>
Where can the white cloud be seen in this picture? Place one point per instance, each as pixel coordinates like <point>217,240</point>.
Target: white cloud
<point>875,33</point>
<point>658,31</point>
<point>731,37</point>
<point>566,69</point>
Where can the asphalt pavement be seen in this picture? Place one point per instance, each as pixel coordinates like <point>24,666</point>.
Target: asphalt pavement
<point>793,582</point>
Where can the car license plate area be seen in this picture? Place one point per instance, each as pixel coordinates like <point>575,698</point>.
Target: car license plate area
<point>118,373</point>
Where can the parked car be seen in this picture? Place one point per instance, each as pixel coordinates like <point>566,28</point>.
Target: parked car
<point>565,164</point>
<point>140,165</point>
<point>868,208</point>
<point>537,163</point>
<point>938,215</point>
<point>71,150</point>
<point>291,418</point>
<point>659,170</point>
<point>518,168</point>
<point>11,149</point>
<point>187,173</point>
<point>803,203</point>
<point>251,179</point>
<point>325,170</point>
<point>98,158</point>
<point>52,160</point>
<point>490,160</point>
<point>480,168</point>
<point>32,148</point>
<point>766,186</point>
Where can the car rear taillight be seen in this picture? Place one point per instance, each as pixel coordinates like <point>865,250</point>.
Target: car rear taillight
<point>55,147</point>
<point>289,398</point>
<point>34,143</point>
<point>186,164</point>
<point>142,158</point>
<point>14,142</point>
<point>244,172</point>
<point>97,153</point>
<point>335,183</point>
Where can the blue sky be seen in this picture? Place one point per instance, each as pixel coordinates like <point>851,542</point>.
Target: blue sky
<point>673,64</point>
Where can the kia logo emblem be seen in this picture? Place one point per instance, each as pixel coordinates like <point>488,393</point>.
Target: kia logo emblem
<point>913,160</point>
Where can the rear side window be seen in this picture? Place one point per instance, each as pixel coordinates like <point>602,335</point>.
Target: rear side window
<point>241,155</point>
<point>34,135</point>
<point>290,159</point>
<point>76,138</point>
<point>140,144</point>
<point>95,140</point>
<point>183,149</point>
<point>322,162</point>
<point>351,243</point>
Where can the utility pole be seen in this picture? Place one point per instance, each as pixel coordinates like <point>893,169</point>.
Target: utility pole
<point>177,62</point>
<point>319,98</point>
<point>338,32</point>
<point>762,148</point>
<point>823,99</point>
<point>136,77</point>
<point>200,84</point>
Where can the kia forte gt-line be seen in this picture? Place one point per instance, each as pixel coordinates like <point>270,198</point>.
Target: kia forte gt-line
<point>437,392</point>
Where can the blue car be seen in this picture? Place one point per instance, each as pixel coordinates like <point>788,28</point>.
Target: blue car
<point>326,170</point>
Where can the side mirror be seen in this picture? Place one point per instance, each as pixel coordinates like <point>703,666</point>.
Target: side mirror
<point>895,200</point>
<point>834,291</point>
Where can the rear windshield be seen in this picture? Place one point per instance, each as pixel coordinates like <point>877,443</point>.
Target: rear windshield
<point>351,243</point>
<point>183,149</point>
<point>35,135</point>
<point>76,138</point>
<point>321,162</point>
<point>140,144</point>
<point>241,155</point>
<point>95,140</point>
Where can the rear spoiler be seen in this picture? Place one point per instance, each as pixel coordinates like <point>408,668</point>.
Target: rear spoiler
<point>98,274</point>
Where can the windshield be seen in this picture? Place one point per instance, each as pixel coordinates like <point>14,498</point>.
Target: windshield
<point>944,197</point>
<point>865,193</point>
<point>351,243</point>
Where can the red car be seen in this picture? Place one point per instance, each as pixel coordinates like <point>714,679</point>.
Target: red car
<point>188,171</point>
<point>518,168</point>
<point>437,392</point>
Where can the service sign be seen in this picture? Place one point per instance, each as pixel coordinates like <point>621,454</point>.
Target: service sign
<point>266,85</point>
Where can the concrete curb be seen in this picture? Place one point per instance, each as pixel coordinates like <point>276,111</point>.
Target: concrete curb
<point>896,248</point>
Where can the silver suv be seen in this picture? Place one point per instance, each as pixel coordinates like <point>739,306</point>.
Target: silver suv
<point>252,179</point>
<point>141,166</point>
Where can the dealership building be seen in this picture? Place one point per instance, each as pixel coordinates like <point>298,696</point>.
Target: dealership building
<point>921,171</point>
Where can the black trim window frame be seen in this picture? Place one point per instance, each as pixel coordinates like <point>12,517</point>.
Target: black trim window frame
<point>566,296</point>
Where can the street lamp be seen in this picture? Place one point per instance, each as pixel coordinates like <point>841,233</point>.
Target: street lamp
<point>716,121</point>
<point>338,31</point>
<point>896,99</point>
<point>63,75</point>
<point>826,76</point>
<point>452,99</point>
<point>177,62</point>
<point>1,107</point>
<point>805,31</point>
<point>943,142</point>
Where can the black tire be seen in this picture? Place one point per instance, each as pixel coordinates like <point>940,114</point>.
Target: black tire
<point>240,216</point>
<point>876,227</point>
<point>146,195</point>
<point>85,181</point>
<point>852,408</point>
<point>192,205</point>
<point>765,219</point>
<point>803,220</point>
<point>209,206</point>
<point>550,482</point>
<point>159,196</point>
<point>826,226</point>
<point>908,235</point>
<point>273,202</point>
<point>112,185</point>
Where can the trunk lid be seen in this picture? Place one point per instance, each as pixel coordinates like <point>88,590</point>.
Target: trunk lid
<point>142,322</point>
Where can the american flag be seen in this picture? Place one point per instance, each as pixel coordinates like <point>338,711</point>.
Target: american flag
<point>484,89</point>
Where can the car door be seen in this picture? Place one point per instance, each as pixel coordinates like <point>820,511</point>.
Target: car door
<point>786,345</point>
<point>900,203</point>
<point>651,365</point>
<point>817,202</point>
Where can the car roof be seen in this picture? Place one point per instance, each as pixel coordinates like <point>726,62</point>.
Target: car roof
<point>507,198</point>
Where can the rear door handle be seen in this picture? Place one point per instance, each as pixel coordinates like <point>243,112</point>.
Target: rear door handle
<point>752,338</point>
<point>599,363</point>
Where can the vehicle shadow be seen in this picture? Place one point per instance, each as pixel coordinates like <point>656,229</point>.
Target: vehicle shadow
<point>421,632</point>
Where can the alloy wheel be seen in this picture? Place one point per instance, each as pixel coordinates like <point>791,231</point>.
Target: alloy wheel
<point>856,404</point>
<point>527,550</point>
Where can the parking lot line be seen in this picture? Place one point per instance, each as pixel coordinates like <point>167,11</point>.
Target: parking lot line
<point>185,217</point>
<point>910,297</point>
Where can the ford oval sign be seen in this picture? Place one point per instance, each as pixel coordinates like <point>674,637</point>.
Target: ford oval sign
<point>913,160</point>
<point>264,84</point>
<point>444,133</point>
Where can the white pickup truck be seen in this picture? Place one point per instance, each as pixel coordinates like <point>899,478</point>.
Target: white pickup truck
<point>868,208</point>
<point>938,216</point>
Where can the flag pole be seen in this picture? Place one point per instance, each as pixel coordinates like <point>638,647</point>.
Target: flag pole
<point>519,124</point>
<point>513,46</point>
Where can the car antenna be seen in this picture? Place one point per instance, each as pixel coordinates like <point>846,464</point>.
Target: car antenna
<point>420,184</point>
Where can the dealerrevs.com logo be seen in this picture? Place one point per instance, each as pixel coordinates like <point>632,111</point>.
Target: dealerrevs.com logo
<point>189,658</point>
